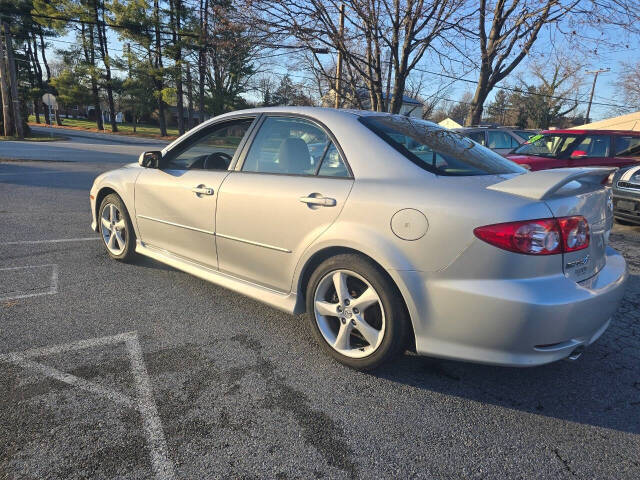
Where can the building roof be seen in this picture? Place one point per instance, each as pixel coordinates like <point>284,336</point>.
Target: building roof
<point>628,122</point>
<point>582,130</point>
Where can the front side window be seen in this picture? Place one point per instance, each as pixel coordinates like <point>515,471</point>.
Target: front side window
<point>293,146</point>
<point>476,137</point>
<point>593,146</point>
<point>627,146</point>
<point>550,145</point>
<point>211,149</point>
<point>437,149</point>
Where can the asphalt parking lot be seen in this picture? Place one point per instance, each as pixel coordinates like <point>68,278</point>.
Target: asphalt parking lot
<point>112,370</point>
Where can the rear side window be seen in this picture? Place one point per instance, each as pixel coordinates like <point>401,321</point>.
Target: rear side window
<point>436,149</point>
<point>500,140</point>
<point>594,146</point>
<point>293,146</point>
<point>627,146</point>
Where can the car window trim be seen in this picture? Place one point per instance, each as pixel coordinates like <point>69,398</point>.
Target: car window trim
<point>299,116</point>
<point>204,131</point>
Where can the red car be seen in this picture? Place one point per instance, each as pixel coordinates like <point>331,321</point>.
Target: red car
<point>578,148</point>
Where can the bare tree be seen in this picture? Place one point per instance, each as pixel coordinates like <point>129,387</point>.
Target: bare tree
<point>382,42</point>
<point>559,80</point>
<point>629,83</point>
<point>512,31</point>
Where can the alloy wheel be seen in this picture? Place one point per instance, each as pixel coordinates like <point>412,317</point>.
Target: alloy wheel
<point>113,228</point>
<point>349,313</point>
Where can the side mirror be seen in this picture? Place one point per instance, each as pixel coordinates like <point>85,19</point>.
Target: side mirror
<point>578,154</point>
<point>150,159</point>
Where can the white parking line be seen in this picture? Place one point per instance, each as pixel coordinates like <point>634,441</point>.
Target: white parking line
<point>53,286</point>
<point>56,240</point>
<point>144,403</point>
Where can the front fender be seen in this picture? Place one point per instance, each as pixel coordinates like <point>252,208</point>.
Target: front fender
<point>122,182</point>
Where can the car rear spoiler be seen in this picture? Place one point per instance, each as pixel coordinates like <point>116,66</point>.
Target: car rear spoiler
<point>542,184</point>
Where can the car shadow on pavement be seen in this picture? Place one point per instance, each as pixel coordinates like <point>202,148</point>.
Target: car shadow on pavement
<point>50,177</point>
<point>602,388</point>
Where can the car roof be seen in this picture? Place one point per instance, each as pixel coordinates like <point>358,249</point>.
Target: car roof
<point>322,114</point>
<point>592,132</point>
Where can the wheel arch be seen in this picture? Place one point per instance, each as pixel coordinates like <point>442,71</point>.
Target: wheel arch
<point>103,192</point>
<point>327,252</point>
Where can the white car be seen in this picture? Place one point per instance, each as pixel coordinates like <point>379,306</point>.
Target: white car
<point>394,234</point>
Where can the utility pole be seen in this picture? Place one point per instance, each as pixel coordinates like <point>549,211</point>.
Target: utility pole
<point>339,62</point>
<point>593,87</point>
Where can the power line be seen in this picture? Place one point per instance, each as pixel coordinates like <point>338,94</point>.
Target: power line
<point>130,27</point>
<point>511,89</point>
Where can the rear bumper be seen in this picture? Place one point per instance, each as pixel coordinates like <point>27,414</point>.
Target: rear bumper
<point>513,322</point>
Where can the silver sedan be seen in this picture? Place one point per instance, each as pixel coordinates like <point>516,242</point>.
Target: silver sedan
<point>391,233</point>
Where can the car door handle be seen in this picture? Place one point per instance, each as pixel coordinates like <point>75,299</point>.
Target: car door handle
<point>202,190</point>
<point>320,201</point>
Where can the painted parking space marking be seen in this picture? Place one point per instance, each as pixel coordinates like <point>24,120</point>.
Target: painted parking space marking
<point>55,240</point>
<point>28,281</point>
<point>144,402</point>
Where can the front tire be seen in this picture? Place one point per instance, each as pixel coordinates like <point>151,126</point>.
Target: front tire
<point>356,312</point>
<point>116,229</point>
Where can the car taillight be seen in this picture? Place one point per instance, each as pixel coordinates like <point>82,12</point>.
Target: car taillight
<point>546,236</point>
<point>575,233</point>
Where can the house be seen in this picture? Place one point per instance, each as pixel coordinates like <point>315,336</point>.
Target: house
<point>449,123</point>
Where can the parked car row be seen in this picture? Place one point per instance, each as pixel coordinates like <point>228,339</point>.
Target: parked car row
<point>572,148</point>
<point>501,140</point>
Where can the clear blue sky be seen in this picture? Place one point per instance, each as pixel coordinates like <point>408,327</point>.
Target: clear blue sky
<point>606,92</point>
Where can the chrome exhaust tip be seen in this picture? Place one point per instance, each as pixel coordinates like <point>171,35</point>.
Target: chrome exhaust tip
<point>576,353</point>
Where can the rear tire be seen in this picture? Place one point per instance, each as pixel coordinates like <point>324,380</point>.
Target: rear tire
<point>356,312</point>
<point>116,229</point>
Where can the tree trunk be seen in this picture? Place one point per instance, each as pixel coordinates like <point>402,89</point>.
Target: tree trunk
<point>474,117</point>
<point>47,113</point>
<point>104,53</point>
<point>189,99</point>
<point>158,74</point>
<point>36,110</point>
<point>58,119</point>
<point>175,10</point>
<point>202,57</point>
<point>11,65</point>
<point>6,96</point>
<point>44,57</point>
<point>90,58</point>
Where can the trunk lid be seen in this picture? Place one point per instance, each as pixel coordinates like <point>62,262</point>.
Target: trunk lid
<point>568,192</point>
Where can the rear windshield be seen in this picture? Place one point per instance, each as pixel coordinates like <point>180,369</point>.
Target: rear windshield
<point>436,149</point>
<point>550,145</point>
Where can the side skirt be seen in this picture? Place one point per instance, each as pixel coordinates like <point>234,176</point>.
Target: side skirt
<point>282,301</point>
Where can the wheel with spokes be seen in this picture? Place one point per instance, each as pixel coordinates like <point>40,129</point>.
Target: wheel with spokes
<point>356,312</point>
<point>116,229</point>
